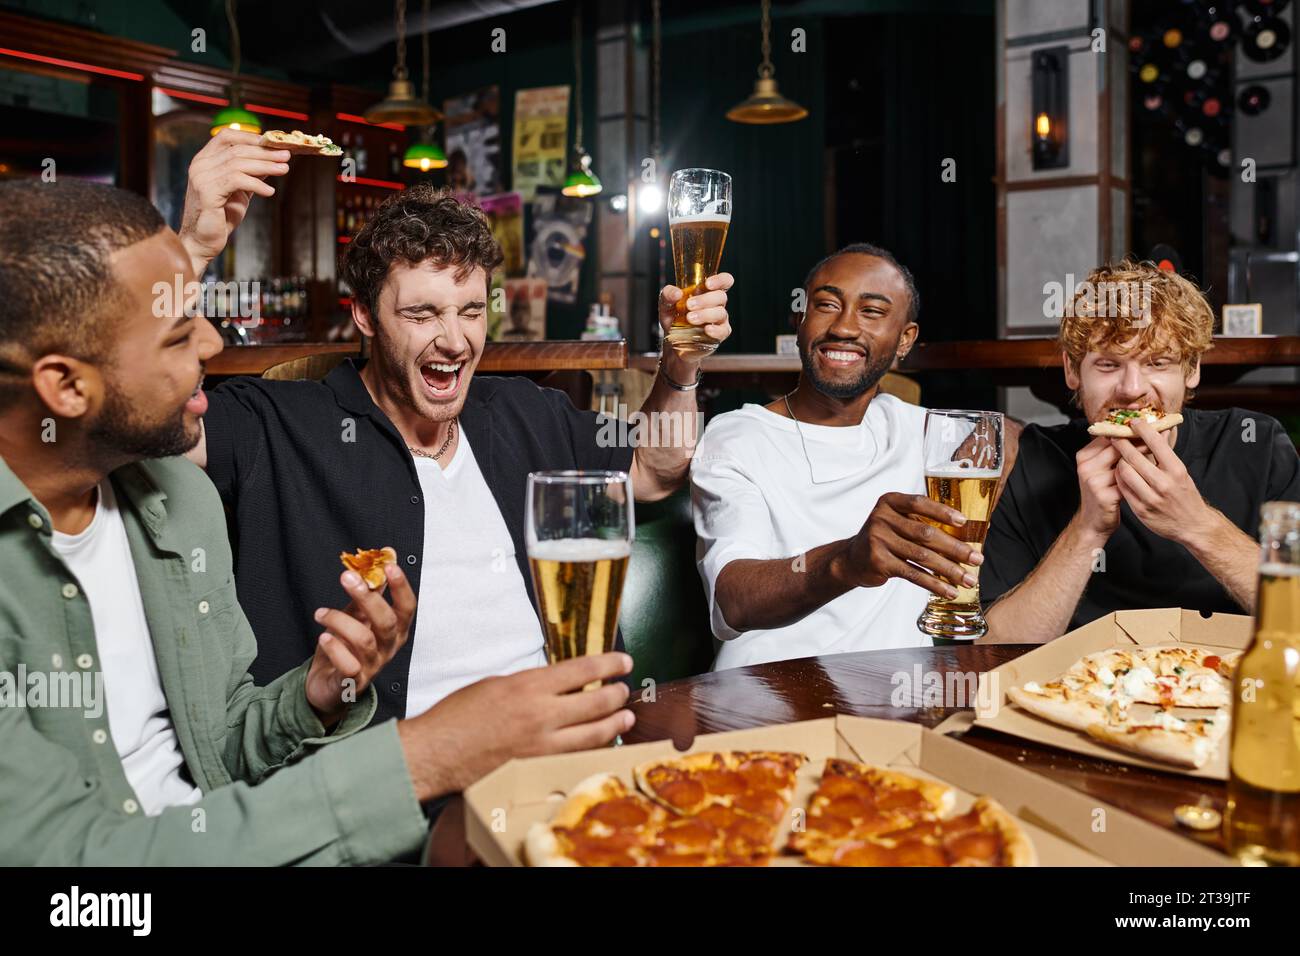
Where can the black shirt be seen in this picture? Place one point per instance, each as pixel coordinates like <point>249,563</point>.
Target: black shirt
<point>309,469</point>
<point>1233,473</point>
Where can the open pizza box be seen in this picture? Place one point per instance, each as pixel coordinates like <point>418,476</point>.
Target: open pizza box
<point>1061,823</point>
<point>1145,628</point>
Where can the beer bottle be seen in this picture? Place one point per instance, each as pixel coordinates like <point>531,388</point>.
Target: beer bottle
<point>1262,823</point>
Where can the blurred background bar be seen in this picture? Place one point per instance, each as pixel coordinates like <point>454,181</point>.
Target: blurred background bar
<point>1000,148</point>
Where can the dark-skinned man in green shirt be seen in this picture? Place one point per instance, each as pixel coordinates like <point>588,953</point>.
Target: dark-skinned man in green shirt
<point>130,730</point>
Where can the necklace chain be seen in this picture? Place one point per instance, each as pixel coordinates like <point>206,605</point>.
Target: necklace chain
<point>802,443</point>
<point>420,452</point>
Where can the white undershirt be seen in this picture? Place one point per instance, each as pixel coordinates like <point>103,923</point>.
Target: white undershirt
<point>475,619</point>
<point>138,716</point>
<point>760,491</point>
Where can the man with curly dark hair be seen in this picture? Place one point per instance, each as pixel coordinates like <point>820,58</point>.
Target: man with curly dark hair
<point>407,449</point>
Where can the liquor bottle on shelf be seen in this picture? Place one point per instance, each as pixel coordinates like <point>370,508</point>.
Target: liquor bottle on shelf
<point>363,157</point>
<point>394,161</point>
<point>1262,823</point>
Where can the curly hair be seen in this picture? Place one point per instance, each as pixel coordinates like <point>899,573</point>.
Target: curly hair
<point>419,224</point>
<point>1135,307</point>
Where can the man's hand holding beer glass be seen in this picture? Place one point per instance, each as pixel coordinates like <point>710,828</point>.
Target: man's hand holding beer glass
<point>897,542</point>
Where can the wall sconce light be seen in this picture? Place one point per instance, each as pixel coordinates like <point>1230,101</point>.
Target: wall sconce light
<point>1050,95</point>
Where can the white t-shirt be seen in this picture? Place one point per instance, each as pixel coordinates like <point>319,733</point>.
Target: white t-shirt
<point>758,494</point>
<point>100,558</point>
<point>475,618</point>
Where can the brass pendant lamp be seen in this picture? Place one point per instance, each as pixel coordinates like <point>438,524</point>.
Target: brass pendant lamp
<point>766,104</point>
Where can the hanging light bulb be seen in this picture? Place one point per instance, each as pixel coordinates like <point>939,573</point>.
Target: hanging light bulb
<point>766,104</point>
<point>425,156</point>
<point>401,104</point>
<point>234,116</point>
<point>581,181</point>
<point>650,198</point>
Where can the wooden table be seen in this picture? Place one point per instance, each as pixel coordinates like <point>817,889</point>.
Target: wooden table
<point>860,684</point>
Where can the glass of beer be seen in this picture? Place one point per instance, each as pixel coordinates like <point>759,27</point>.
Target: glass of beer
<point>578,528</point>
<point>699,214</point>
<point>963,463</point>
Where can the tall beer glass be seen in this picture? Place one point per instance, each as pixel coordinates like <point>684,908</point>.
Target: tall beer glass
<point>578,528</point>
<point>699,214</point>
<point>963,462</point>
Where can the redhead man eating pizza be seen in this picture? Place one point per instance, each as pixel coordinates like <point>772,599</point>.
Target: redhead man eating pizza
<point>1090,524</point>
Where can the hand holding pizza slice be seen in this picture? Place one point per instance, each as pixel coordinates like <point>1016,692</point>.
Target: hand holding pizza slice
<point>1118,422</point>
<point>360,640</point>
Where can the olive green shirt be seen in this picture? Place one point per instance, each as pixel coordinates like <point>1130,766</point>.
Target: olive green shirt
<point>277,787</point>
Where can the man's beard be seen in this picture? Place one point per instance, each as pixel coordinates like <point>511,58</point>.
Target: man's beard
<point>120,433</point>
<point>394,370</point>
<point>873,370</point>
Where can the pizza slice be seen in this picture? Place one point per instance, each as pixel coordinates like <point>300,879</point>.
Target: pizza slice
<point>744,794</point>
<point>870,816</point>
<point>858,802</point>
<point>370,564</point>
<point>1169,676</point>
<point>601,823</point>
<point>300,143</point>
<point>1073,703</point>
<point>1184,741</point>
<point>1116,423</point>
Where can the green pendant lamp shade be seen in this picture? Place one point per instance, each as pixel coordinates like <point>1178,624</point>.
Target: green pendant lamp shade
<point>235,117</point>
<point>424,157</point>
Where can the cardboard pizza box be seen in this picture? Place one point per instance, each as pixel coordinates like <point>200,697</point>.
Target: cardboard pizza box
<point>1143,628</point>
<point>1067,828</point>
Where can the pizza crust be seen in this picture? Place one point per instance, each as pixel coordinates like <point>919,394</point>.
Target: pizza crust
<point>1075,714</point>
<point>300,143</point>
<point>1111,430</point>
<point>370,564</point>
<point>1183,748</point>
<point>542,847</point>
<point>1017,850</point>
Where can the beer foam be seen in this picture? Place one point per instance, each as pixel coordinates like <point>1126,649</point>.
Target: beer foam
<point>1273,569</point>
<point>700,217</point>
<point>956,471</point>
<point>579,549</point>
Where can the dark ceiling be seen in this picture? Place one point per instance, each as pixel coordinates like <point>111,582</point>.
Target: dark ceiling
<point>335,38</point>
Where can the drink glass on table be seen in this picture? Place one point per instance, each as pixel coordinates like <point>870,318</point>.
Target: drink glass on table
<point>579,527</point>
<point>963,463</point>
<point>1262,823</point>
<point>699,214</point>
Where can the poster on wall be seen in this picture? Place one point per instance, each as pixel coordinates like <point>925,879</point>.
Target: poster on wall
<point>540,145</point>
<point>506,213</point>
<point>557,246</point>
<point>525,318</point>
<point>473,130</point>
